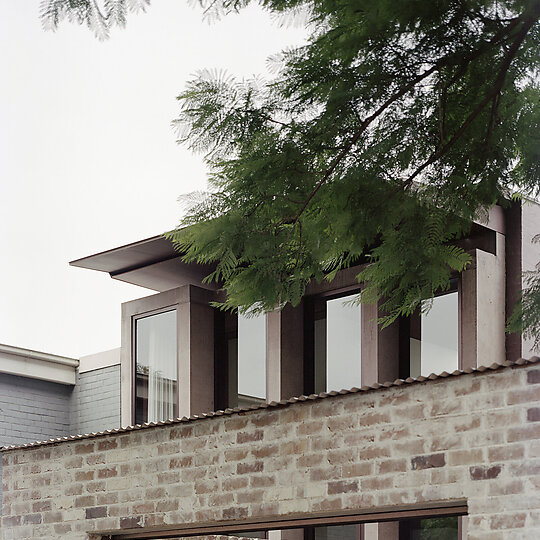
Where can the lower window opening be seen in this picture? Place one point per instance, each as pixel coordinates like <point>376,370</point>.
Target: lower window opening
<point>447,526</point>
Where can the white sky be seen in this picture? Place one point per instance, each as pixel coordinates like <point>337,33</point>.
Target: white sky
<point>88,160</point>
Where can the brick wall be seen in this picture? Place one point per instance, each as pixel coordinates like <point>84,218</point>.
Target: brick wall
<point>473,436</point>
<point>32,410</point>
<point>96,401</point>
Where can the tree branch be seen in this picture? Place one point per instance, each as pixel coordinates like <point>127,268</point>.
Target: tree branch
<point>497,86</point>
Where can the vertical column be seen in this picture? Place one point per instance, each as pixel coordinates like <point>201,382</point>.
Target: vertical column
<point>284,353</point>
<point>380,363</point>
<point>126,369</point>
<point>195,352</point>
<point>483,308</point>
<point>380,348</point>
<point>514,258</point>
<point>491,318</point>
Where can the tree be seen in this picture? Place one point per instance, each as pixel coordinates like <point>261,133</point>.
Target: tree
<point>377,142</point>
<point>100,18</point>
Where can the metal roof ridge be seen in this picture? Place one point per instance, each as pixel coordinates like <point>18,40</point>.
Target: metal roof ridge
<point>283,403</point>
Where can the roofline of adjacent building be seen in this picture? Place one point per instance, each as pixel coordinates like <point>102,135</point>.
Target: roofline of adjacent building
<point>521,362</point>
<point>37,365</point>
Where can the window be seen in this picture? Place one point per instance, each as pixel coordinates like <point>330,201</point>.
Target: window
<point>338,532</point>
<point>440,528</point>
<point>366,527</point>
<point>251,360</point>
<point>156,367</point>
<point>434,337</point>
<point>240,360</point>
<point>333,343</point>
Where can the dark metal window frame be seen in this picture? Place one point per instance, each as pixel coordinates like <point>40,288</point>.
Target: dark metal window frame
<point>382,514</point>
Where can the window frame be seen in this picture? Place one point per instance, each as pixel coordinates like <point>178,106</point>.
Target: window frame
<point>405,330</point>
<point>135,309</point>
<point>134,319</point>
<point>426,510</point>
<point>226,381</point>
<point>309,303</point>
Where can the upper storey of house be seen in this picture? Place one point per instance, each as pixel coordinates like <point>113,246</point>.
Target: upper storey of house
<point>181,356</point>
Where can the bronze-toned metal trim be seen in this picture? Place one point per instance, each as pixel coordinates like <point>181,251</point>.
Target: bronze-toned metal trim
<point>390,513</point>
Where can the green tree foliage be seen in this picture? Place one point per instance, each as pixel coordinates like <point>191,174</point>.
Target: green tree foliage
<point>377,142</point>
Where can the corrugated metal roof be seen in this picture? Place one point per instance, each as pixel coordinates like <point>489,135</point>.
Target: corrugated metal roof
<point>282,403</point>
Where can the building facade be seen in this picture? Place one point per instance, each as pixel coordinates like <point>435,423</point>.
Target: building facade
<point>326,426</point>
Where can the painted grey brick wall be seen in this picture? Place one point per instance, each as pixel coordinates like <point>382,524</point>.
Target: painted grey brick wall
<point>32,410</point>
<point>96,400</point>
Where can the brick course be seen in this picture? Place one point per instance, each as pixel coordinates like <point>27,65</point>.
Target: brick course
<point>471,437</point>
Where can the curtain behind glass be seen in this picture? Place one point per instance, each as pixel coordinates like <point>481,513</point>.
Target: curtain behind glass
<point>156,346</point>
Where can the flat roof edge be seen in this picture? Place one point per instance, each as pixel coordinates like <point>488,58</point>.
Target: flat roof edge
<point>79,262</point>
<point>37,355</point>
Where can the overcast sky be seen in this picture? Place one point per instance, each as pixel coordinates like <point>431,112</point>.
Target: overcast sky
<point>88,160</point>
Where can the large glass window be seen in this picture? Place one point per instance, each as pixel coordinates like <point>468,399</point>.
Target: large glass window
<point>240,360</point>
<point>337,343</point>
<point>251,359</point>
<point>156,369</point>
<point>434,337</point>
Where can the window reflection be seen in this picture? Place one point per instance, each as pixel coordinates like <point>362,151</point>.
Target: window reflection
<point>156,376</point>
<point>251,345</point>
<point>338,532</point>
<point>439,528</point>
<point>434,337</point>
<point>240,366</point>
<point>337,344</point>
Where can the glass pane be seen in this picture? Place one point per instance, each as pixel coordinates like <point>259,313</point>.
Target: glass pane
<point>338,532</point>
<point>251,360</point>
<point>439,336</point>
<point>156,367</point>
<point>439,528</point>
<point>343,344</point>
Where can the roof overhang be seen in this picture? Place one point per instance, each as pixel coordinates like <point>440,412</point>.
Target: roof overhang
<point>153,263</point>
